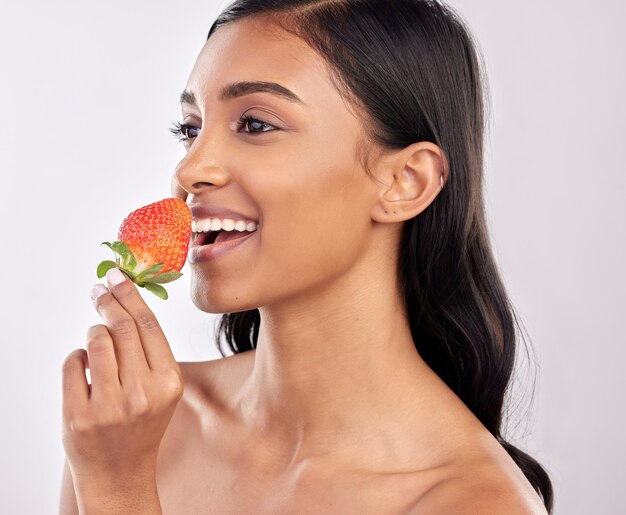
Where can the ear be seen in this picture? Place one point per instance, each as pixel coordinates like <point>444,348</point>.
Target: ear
<point>412,178</point>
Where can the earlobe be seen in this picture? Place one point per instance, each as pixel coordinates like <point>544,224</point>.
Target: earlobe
<point>415,182</point>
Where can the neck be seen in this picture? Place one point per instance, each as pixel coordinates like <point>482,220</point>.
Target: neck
<point>334,366</point>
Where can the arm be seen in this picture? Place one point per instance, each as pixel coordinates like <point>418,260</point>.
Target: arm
<point>68,504</point>
<point>138,496</point>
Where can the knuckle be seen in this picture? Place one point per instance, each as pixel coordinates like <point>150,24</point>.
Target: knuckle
<point>73,360</point>
<point>138,403</point>
<point>69,365</point>
<point>99,345</point>
<point>103,300</point>
<point>147,321</point>
<point>79,424</point>
<point>172,384</point>
<point>96,331</point>
<point>122,326</point>
<point>124,290</point>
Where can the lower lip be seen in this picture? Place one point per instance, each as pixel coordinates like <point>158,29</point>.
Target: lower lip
<point>200,253</point>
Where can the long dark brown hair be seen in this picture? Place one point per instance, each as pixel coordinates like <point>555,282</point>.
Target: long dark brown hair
<point>413,71</point>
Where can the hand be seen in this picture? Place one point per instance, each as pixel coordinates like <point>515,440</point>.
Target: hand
<point>112,428</point>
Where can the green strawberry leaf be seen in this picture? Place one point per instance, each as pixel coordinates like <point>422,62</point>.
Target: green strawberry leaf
<point>166,277</point>
<point>150,271</point>
<point>159,291</point>
<point>129,273</point>
<point>129,260</point>
<point>120,247</point>
<point>104,267</point>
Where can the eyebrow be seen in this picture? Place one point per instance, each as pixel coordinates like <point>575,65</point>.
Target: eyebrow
<point>241,88</point>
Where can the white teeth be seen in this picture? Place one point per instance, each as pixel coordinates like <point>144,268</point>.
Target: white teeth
<point>227,224</point>
<point>203,225</point>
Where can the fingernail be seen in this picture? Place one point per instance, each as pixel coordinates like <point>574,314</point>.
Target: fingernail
<point>97,290</point>
<point>114,276</point>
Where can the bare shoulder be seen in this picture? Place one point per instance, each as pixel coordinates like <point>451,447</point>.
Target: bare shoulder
<point>213,381</point>
<point>484,488</point>
<point>208,385</point>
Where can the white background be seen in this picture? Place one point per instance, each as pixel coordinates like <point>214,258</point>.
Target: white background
<point>87,93</point>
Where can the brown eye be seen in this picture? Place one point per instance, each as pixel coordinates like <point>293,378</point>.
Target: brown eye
<point>189,132</point>
<point>184,132</point>
<point>254,124</point>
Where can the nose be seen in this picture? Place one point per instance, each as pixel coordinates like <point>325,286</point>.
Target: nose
<point>192,177</point>
<point>177,190</point>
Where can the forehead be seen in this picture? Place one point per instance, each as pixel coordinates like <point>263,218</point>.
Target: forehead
<point>257,50</point>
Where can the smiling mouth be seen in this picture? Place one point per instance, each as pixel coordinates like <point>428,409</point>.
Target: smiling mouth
<point>205,238</point>
<point>211,237</point>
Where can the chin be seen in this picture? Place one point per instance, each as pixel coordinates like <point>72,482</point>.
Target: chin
<point>218,300</point>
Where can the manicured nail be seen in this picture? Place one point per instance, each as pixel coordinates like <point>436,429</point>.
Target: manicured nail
<point>97,290</point>
<point>114,276</point>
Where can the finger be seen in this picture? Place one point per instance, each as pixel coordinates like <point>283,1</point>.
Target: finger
<point>155,345</point>
<point>74,382</point>
<point>103,367</point>
<point>129,352</point>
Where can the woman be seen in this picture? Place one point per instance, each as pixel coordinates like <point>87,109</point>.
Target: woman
<point>373,337</point>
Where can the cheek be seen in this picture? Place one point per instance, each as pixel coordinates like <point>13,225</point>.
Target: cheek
<point>316,227</point>
<point>311,194</point>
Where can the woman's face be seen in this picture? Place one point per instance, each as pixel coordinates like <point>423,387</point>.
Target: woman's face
<point>298,176</point>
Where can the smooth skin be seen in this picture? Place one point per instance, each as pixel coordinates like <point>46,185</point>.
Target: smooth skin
<point>112,427</point>
<point>334,411</point>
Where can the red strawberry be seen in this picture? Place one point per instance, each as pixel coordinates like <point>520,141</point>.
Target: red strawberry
<point>152,244</point>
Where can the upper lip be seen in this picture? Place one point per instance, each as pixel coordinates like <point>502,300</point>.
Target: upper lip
<point>202,211</point>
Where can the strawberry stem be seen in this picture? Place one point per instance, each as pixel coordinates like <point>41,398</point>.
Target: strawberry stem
<point>125,260</point>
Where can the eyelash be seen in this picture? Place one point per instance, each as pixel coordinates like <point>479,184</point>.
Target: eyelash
<point>181,130</point>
